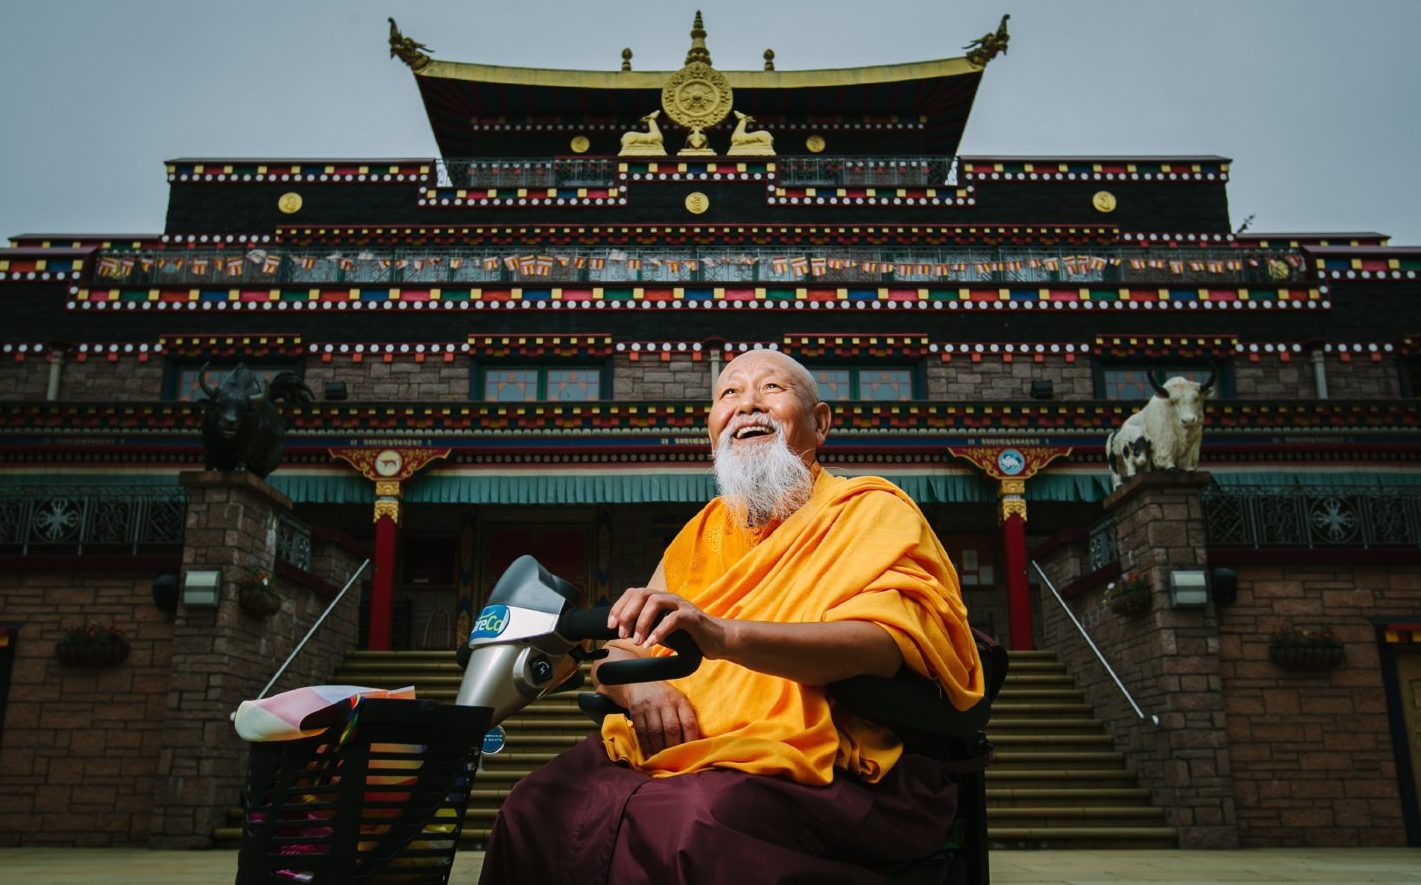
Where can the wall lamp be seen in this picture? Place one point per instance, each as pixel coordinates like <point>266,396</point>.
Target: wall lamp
<point>1188,588</point>
<point>202,589</point>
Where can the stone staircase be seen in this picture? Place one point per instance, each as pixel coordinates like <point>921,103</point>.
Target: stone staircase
<point>1057,783</point>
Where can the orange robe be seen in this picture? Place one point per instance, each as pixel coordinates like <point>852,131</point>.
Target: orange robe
<point>860,550</point>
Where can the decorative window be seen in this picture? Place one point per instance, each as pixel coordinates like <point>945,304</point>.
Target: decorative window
<point>510,384</point>
<point>183,385</point>
<point>886,383</point>
<point>1130,382</point>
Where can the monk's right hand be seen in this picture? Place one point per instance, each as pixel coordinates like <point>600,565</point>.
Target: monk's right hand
<point>662,716</point>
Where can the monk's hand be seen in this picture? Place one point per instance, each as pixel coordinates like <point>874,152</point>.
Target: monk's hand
<point>647,616</point>
<point>661,715</point>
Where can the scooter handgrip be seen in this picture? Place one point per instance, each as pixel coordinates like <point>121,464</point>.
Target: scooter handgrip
<point>599,706</point>
<point>578,624</point>
<point>683,663</point>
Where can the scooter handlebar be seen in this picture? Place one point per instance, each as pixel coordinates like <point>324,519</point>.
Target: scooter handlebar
<point>591,623</point>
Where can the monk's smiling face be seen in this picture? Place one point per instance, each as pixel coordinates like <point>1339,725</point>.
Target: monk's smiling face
<point>763,394</point>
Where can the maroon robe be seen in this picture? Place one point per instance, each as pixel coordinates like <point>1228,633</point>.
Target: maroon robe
<point>584,820</point>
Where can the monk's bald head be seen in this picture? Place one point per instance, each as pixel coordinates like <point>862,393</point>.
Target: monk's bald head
<point>804,384</point>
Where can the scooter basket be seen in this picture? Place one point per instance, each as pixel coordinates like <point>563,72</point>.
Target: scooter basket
<point>377,799</point>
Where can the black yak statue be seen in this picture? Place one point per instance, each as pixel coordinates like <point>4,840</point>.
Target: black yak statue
<point>241,427</point>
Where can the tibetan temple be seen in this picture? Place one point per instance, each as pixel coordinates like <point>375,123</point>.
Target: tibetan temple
<point>510,349</point>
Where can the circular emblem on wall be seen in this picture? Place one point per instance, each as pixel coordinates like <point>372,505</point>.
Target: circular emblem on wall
<point>697,202</point>
<point>580,144</point>
<point>389,462</point>
<point>1103,201</point>
<point>289,203</point>
<point>815,144</point>
<point>1010,462</point>
<point>697,96</point>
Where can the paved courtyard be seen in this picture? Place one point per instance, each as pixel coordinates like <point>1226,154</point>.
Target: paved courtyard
<point>1335,866</point>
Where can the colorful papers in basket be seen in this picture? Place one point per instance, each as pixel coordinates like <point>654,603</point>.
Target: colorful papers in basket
<point>289,715</point>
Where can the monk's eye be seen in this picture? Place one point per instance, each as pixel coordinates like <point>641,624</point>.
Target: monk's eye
<point>727,392</point>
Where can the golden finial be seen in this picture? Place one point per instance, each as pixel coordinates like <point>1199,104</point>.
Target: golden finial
<point>769,59</point>
<point>411,52</point>
<point>989,45</point>
<point>698,52</point>
<point>627,59</point>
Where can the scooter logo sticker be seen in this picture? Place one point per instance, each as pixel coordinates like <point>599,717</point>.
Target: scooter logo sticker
<point>493,741</point>
<point>493,620</point>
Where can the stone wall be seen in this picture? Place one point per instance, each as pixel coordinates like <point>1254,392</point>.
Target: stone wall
<point>399,380</point>
<point>222,655</point>
<point>1273,379</point>
<point>993,379</point>
<point>27,380</point>
<point>1313,757</point>
<point>1168,658</point>
<point>79,755</point>
<point>1361,378</point>
<point>143,752</point>
<point>651,378</point>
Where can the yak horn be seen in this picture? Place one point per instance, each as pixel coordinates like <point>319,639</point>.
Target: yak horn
<point>260,390</point>
<point>1157,384</point>
<point>202,381</point>
<point>1207,383</point>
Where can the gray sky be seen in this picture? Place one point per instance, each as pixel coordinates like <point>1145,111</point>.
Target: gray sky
<point>1315,101</point>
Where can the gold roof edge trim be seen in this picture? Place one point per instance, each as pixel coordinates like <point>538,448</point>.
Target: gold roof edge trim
<point>655,80</point>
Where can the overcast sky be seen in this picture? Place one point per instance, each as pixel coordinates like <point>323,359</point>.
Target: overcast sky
<point>1316,102</point>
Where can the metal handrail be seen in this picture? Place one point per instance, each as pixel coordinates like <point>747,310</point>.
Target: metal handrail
<point>1067,609</point>
<point>314,627</point>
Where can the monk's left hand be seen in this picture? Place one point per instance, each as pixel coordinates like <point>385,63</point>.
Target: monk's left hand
<point>647,616</point>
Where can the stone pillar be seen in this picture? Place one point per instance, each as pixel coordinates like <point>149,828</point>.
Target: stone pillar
<point>1168,658</point>
<point>223,656</point>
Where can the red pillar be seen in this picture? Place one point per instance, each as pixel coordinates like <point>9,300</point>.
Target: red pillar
<point>1018,597</point>
<point>382,585</point>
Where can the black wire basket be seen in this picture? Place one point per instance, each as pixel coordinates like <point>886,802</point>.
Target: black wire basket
<point>377,798</point>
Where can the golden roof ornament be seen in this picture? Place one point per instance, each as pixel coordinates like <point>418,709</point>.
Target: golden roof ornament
<point>989,45</point>
<point>411,52</point>
<point>627,59</point>
<point>697,96</point>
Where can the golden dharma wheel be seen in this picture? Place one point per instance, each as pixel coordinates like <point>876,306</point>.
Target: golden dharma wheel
<point>697,96</point>
<point>580,144</point>
<point>815,144</point>
<point>289,203</point>
<point>1103,201</point>
<point>697,203</point>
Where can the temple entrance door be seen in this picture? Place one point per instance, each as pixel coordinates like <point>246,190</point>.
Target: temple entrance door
<point>565,550</point>
<point>1408,681</point>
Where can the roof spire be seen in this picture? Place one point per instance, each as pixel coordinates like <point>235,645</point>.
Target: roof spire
<point>698,52</point>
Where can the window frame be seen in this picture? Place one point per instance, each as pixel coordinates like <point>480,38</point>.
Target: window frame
<point>1223,370</point>
<point>917,377</point>
<point>174,368</point>
<point>478,370</point>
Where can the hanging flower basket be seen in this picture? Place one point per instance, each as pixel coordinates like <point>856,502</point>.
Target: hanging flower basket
<point>92,646</point>
<point>1128,596</point>
<point>1306,650</point>
<point>259,598</point>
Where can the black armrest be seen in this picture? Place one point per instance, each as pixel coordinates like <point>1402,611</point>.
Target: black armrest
<point>910,704</point>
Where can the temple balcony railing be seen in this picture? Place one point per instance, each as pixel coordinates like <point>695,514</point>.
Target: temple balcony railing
<point>1312,516</point>
<point>815,265</point>
<point>42,519</point>
<point>534,173</point>
<point>866,171</point>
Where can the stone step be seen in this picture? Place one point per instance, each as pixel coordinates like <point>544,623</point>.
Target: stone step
<point>1103,838</point>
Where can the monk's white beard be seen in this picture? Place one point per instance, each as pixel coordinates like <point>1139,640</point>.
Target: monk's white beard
<point>763,481</point>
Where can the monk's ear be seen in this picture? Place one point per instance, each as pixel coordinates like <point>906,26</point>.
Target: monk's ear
<point>823,419</point>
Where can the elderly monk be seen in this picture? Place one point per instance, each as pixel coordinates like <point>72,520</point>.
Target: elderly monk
<point>745,772</point>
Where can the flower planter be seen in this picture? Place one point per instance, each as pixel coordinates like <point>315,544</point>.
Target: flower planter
<point>1131,603</point>
<point>1306,656</point>
<point>258,601</point>
<point>93,653</point>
